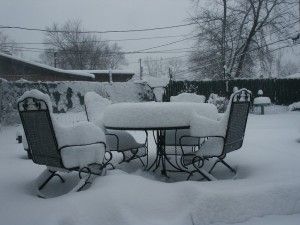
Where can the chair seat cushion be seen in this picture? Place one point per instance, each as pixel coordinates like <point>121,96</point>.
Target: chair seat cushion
<point>211,148</point>
<point>80,144</point>
<point>126,141</point>
<point>79,134</point>
<point>185,141</point>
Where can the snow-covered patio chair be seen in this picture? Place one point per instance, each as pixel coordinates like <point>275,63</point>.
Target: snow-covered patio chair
<point>189,143</point>
<point>222,137</point>
<point>80,147</point>
<point>117,140</point>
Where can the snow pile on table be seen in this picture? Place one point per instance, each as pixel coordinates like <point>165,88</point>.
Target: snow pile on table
<point>154,114</point>
<point>188,97</point>
<point>294,106</point>
<point>262,101</point>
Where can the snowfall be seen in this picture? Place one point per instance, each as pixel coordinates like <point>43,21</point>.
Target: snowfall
<point>266,189</point>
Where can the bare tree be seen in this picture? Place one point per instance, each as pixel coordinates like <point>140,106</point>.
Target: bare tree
<point>159,67</point>
<point>75,49</point>
<point>7,45</point>
<point>234,36</point>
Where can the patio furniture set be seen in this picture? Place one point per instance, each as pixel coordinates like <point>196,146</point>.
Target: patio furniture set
<point>194,132</point>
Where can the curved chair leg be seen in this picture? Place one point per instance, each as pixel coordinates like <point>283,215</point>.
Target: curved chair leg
<point>46,176</point>
<point>214,165</point>
<point>84,180</point>
<point>228,166</point>
<point>198,167</point>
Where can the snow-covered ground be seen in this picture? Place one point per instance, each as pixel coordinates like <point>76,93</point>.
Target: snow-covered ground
<point>265,191</point>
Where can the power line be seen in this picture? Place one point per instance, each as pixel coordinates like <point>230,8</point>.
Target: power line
<point>99,41</point>
<point>96,32</point>
<point>166,44</point>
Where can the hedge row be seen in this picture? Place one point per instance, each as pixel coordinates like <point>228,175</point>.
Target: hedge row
<point>281,91</point>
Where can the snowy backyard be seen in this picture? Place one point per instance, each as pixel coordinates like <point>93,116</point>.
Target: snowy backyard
<point>161,112</point>
<point>264,191</point>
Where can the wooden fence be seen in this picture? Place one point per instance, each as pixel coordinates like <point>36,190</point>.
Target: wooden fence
<point>281,91</point>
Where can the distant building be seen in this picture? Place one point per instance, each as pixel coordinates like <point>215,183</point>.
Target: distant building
<point>104,75</point>
<point>14,68</point>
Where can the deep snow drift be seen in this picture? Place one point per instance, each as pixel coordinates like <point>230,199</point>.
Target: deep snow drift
<point>267,186</point>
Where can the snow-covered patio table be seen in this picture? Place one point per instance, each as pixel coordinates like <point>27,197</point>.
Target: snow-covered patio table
<point>156,116</point>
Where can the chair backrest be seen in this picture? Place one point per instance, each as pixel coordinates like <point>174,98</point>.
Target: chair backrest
<point>94,105</point>
<point>239,109</point>
<point>39,132</point>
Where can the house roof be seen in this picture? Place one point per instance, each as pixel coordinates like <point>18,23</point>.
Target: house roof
<point>105,72</point>
<point>51,68</point>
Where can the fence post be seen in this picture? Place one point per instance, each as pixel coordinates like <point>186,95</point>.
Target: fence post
<point>110,76</point>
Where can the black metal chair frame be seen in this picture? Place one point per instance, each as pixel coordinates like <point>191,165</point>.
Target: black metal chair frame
<point>52,168</point>
<point>134,151</point>
<point>227,147</point>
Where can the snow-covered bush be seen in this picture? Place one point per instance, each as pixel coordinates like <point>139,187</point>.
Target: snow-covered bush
<point>235,89</point>
<point>220,102</point>
<point>68,95</point>
<point>260,92</point>
<point>294,106</point>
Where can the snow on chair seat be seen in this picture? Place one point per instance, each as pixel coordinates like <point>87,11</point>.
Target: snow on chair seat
<point>57,147</point>
<point>119,141</point>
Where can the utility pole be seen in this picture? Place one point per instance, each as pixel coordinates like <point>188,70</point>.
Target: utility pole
<point>55,59</point>
<point>170,74</point>
<point>141,69</point>
<point>224,24</point>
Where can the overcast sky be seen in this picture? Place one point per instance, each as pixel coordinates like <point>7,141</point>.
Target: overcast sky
<point>107,15</point>
<point>101,15</point>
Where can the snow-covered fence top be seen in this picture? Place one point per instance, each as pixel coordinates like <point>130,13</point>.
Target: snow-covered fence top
<point>280,91</point>
<point>68,95</point>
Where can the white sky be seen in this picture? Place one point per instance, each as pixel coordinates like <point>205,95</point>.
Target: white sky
<point>101,15</point>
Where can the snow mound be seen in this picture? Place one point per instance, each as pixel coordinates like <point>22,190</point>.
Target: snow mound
<point>262,101</point>
<point>294,106</point>
<point>188,97</point>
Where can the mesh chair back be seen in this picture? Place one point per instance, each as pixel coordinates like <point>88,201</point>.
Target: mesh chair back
<point>237,121</point>
<point>39,132</point>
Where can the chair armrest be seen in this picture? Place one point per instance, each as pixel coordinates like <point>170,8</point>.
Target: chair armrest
<point>66,146</point>
<point>204,127</point>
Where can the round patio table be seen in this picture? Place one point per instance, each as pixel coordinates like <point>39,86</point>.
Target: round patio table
<point>156,116</point>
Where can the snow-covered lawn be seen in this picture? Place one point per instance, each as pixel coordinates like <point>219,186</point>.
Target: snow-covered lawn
<point>266,190</point>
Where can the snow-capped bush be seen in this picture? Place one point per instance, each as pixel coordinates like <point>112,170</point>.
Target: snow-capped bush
<point>235,89</point>
<point>260,92</point>
<point>220,102</point>
<point>294,106</point>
